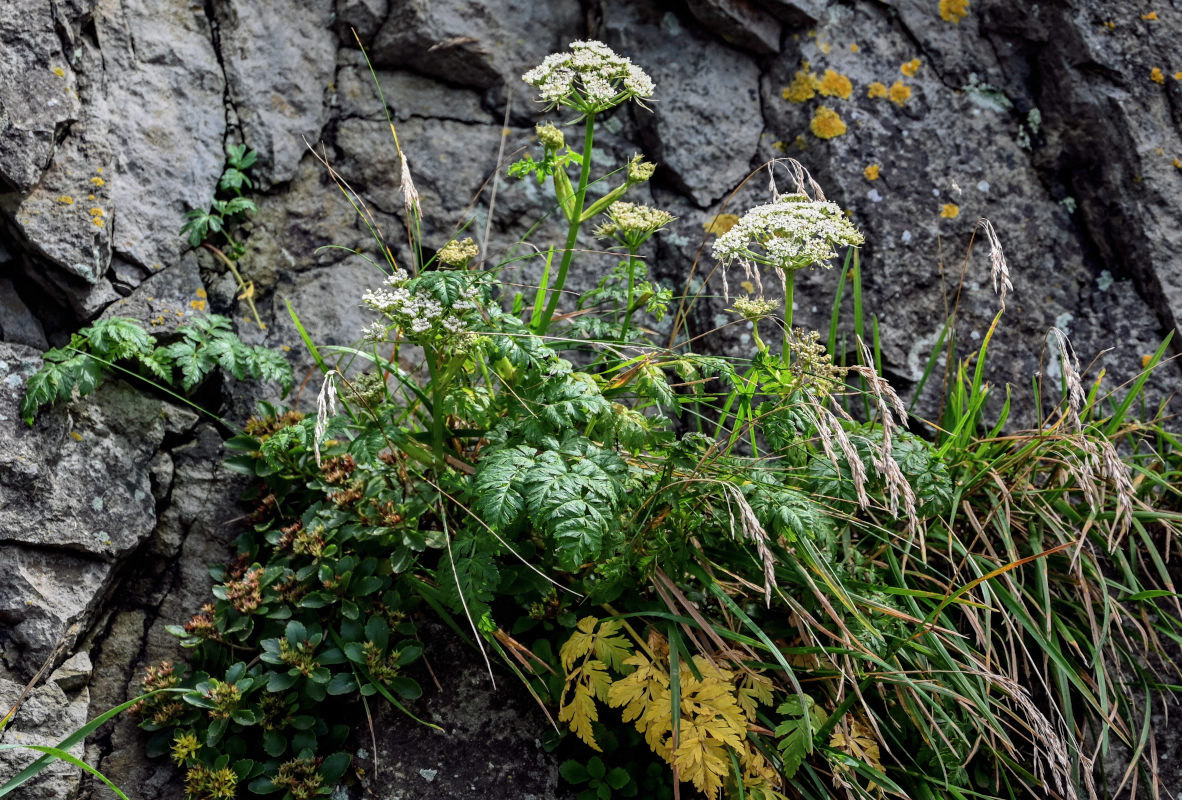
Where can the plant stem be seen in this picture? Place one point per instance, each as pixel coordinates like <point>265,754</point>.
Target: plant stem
<point>437,389</point>
<point>628,309</point>
<point>572,235</point>
<point>789,291</point>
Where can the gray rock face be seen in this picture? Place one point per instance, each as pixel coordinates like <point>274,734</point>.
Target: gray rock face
<point>39,105</point>
<point>44,716</point>
<point>705,129</point>
<point>277,114</point>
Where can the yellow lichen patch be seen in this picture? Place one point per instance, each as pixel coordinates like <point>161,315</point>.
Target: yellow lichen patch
<point>778,145</point>
<point>96,212</point>
<point>202,293</point>
<point>954,10</point>
<point>1110,25</point>
<point>1177,162</point>
<point>826,124</point>
<point>834,84</point>
<point>58,71</point>
<point>800,142</point>
<point>900,93</point>
<point>909,68</point>
<point>90,197</point>
<point>747,286</point>
<point>876,89</point>
<point>950,211</point>
<point>854,47</point>
<point>1152,15</point>
<point>97,181</point>
<point>720,224</point>
<point>803,87</point>
<point>1178,76</point>
<point>826,47</point>
<point>871,172</point>
<point>98,170</point>
<point>285,347</point>
<point>198,305</point>
<point>77,437</point>
<point>1156,75</point>
<point>66,200</point>
<point>98,222</point>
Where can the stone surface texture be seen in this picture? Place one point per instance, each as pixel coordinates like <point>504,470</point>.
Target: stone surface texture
<point>1059,121</point>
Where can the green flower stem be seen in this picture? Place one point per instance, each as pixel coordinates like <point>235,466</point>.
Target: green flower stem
<point>629,308</point>
<point>789,291</point>
<point>437,390</point>
<point>573,233</point>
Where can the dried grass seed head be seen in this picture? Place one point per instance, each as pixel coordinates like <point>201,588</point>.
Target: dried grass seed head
<point>999,269</point>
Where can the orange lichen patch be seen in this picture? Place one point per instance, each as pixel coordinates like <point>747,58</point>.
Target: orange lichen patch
<point>950,211</point>
<point>1177,162</point>
<point>1178,76</point>
<point>720,224</point>
<point>58,71</point>
<point>909,68</point>
<point>834,84</point>
<point>1156,75</point>
<point>826,124</point>
<point>871,172</point>
<point>66,200</point>
<point>1152,15</point>
<point>201,293</point>
<point>954,10</point>
<point>198,305</point>
<point>854,47</point>
<point>97,181</point>
<point>900,93</point>
<point>803,87</point>
<point>1145,359</point>
<point>876,89</point>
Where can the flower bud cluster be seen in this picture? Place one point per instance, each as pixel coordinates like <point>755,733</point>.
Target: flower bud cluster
<point>590,78</point>
<point>550,136</point>
<point>754,309</point>
<point>812,365</point>
<point>632,223</point>
<point>459,253</point>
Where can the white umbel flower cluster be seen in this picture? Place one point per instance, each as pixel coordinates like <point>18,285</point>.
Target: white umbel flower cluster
<point>792,233</point>
<point>590,78</point>
<point>420,316</point>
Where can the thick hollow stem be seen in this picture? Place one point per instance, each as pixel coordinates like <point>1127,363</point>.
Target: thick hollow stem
<point>572,235</point>
<point>628,309</point>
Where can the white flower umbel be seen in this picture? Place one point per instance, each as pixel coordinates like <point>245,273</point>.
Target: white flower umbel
<point>790,234</point>
<point>590,78</point>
